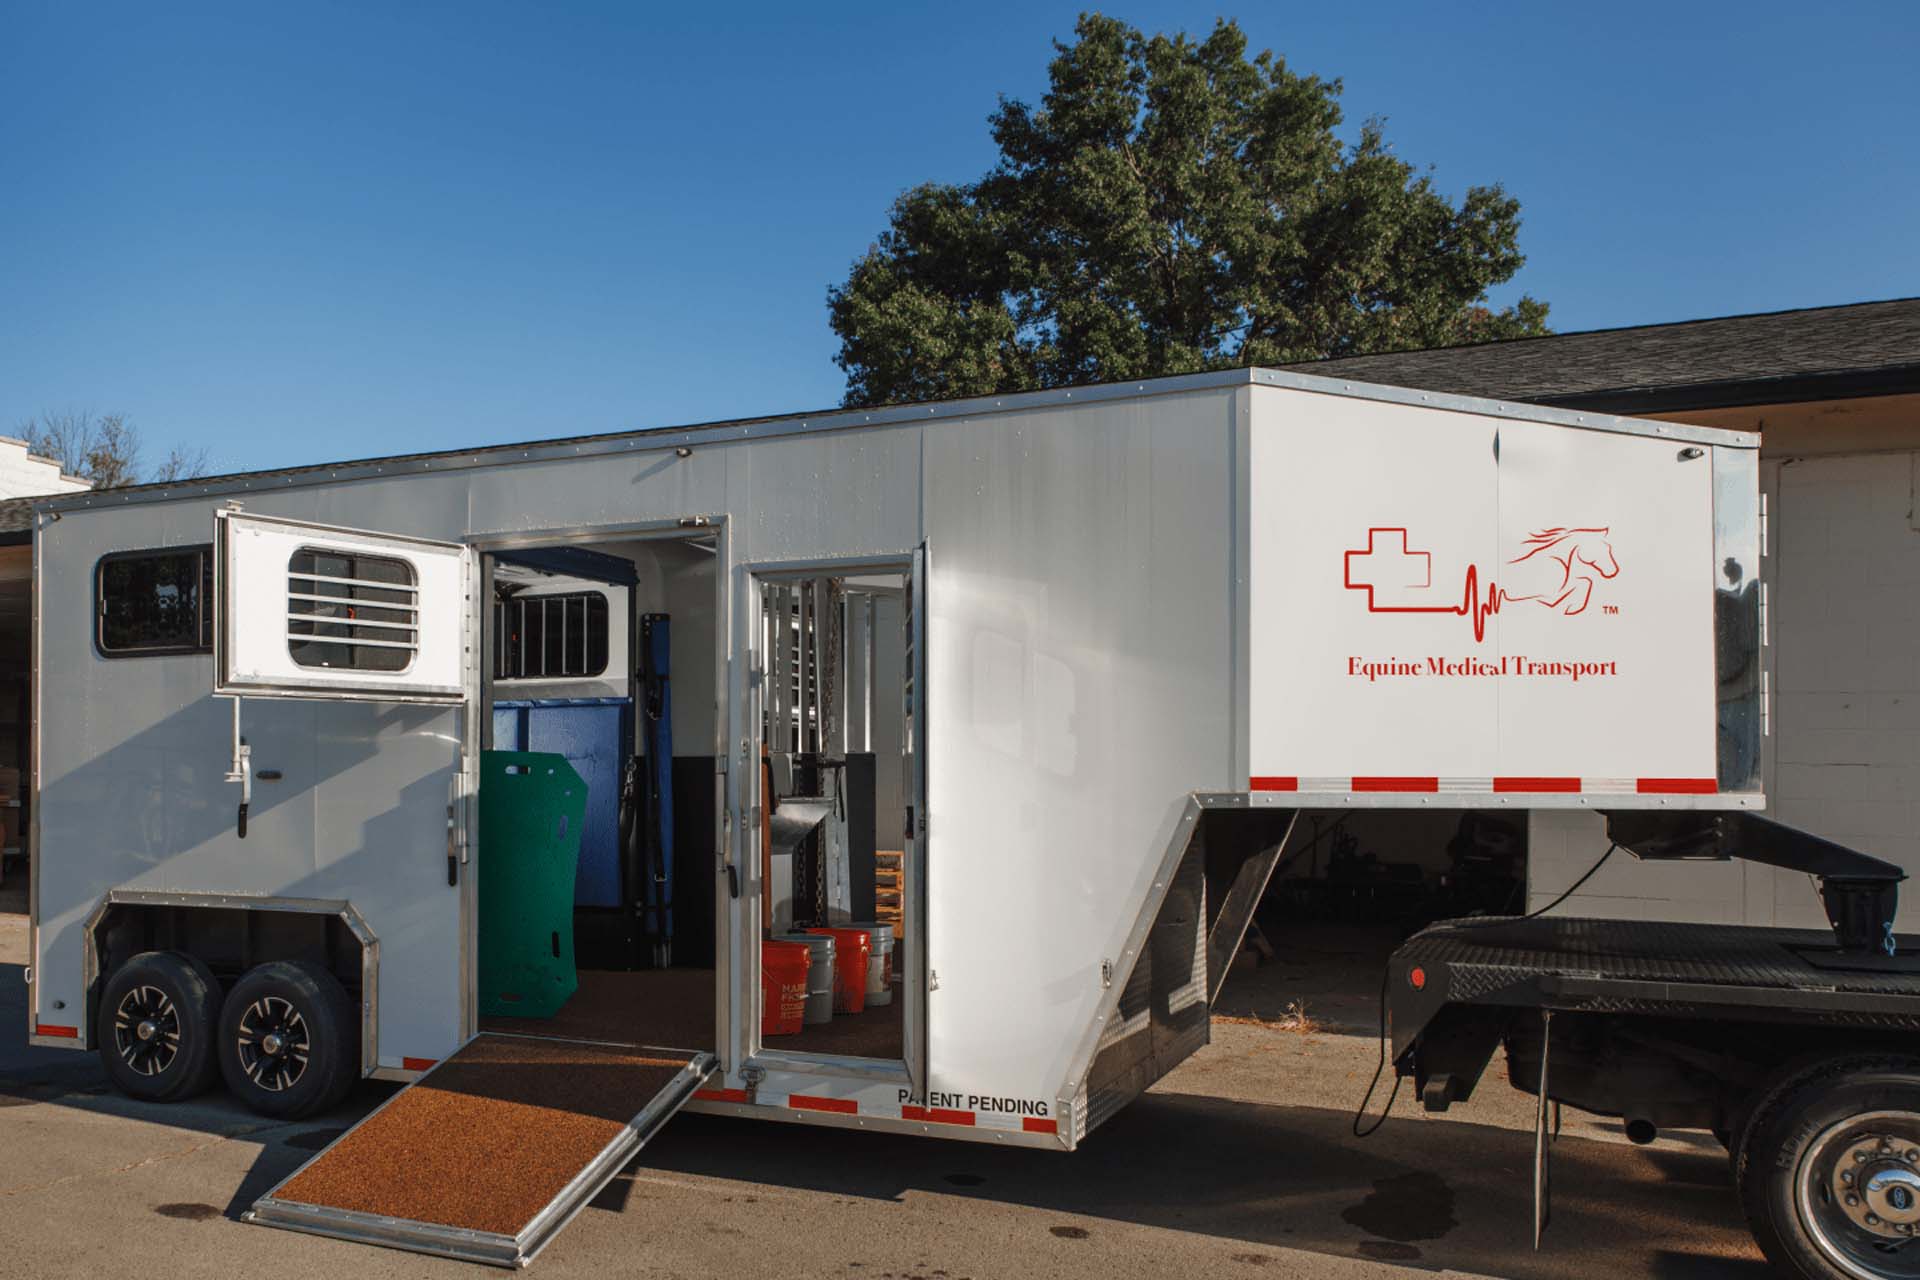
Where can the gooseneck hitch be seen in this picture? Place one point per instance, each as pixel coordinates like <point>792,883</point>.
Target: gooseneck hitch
<point>1860,892</point>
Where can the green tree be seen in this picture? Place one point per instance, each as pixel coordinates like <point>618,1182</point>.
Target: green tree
<point>1171,206</point>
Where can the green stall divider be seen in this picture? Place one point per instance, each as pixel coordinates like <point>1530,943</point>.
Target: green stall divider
<point>532,809</point>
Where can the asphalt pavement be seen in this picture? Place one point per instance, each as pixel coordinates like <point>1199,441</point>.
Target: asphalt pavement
<point>1242,1163</point>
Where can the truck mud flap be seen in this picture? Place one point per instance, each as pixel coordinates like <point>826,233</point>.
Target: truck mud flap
<point>491,1152</point>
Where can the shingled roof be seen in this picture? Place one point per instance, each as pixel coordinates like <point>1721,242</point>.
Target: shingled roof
<point>1778,357</point>
<point>16,521</point>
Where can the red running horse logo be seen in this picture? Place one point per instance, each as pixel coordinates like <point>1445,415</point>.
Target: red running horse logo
<point>1572,560</point>
<point>1559,569</point>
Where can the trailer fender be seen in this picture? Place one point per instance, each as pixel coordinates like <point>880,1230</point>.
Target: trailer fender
<point>117,905</point>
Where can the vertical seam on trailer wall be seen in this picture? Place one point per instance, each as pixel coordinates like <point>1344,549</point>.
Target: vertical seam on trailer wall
<point>35,648</point>
<point>1499,641</point>
<point>1239,587</point>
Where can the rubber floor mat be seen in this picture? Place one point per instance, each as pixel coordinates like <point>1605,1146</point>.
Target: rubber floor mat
<point>492,1151</point>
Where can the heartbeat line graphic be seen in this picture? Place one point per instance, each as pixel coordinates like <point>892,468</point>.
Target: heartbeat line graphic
<point>1582,556</point>
<point>1470,606</point>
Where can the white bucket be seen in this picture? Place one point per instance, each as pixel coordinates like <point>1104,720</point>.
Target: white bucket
<point>879,963</point>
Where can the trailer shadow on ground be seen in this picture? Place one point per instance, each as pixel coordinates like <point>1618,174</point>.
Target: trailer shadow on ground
<point>1435,1195</point>
<point>1438,1195</point>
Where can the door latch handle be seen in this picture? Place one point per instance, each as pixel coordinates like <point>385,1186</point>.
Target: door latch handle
<point>240,770</point>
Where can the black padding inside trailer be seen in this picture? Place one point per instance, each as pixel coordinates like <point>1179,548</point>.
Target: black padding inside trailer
<point>860,777</point>
<point>696,844</point>
<point>610,938</point>
<point>606,938</point>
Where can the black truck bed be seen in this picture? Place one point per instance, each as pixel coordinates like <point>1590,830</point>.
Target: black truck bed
<point>1677,970</point>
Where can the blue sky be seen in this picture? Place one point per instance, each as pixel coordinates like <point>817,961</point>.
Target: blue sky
<point>296,233</point>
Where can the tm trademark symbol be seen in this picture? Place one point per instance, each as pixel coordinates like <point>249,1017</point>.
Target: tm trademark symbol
<point>1609,608</point>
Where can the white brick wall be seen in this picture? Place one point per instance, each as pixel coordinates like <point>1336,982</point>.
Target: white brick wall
<point>26,475</point>
<point>1843,760</point>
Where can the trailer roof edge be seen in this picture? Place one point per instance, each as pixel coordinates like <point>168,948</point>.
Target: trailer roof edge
<point>652,438</point>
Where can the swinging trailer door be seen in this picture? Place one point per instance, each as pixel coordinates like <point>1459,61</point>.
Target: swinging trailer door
<point>494,1149</point>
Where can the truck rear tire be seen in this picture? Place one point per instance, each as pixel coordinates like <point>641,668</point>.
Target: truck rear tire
<point>1829,1172</point>
<point>289,1040</point>
<point>158,1016</point>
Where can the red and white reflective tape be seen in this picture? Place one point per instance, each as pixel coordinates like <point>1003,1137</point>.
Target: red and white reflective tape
<point>1508,784</point>
<point>921,1115</point>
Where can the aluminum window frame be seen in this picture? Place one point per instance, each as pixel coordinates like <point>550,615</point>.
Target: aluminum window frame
<point>412,585</point>
<point>522,599</point>
<point>205,622</point>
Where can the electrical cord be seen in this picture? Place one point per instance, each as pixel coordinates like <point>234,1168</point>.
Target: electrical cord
<point>1360,1113</point>
<point>1574,887</point>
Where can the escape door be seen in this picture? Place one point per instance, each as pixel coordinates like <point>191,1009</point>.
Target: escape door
<point>319,632</point>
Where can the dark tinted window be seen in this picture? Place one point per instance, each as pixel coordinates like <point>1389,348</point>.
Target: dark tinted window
<point>548,637</point>
<point>155,602</point>
<point>351,612</point>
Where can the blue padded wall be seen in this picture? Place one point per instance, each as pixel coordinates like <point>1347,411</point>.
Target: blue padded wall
<point>594,734</point>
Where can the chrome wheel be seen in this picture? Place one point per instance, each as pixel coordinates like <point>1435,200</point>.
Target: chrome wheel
<point>146,1030</point>
<point>273,1043</point>
<point>1858,1194</point>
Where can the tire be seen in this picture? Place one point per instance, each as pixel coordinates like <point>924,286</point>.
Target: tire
<point>289,1040</point>
<point>1829,1172</point>
<point>155,1027</point>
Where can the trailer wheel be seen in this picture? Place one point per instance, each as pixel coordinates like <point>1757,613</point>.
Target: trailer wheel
<point>155,1027</point>
<point>1829,1172</point>
<point>289,1042</point>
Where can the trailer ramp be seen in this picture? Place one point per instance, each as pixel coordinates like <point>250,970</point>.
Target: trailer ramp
<point>491,1152</point>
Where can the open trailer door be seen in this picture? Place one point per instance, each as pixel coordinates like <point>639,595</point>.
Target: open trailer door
<point>495,1148</point>
<point>313,611</point>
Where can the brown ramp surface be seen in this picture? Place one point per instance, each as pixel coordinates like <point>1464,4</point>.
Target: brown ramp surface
<point>491,1152</point>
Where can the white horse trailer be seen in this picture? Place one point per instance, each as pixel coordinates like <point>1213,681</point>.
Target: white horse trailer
<point>1044,676</point>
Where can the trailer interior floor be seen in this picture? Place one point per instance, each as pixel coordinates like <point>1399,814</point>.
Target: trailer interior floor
<point>675,1008</point>
<point>661,1007</point>
<point>492,1151</point>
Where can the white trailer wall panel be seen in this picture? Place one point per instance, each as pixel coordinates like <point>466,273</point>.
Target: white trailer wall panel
<point>1081,685</point>
<point>1463,604</point>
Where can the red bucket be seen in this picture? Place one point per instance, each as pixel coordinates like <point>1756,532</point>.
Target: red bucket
<point>851,948</point>
<point>783,987</point>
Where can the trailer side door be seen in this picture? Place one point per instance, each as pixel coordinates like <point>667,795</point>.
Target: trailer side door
<point>351,622</point>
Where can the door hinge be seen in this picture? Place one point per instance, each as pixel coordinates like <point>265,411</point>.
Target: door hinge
<point>751,1076</point>
<point>933,979</point>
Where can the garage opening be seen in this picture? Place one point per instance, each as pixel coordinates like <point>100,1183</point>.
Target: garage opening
<point>1350,887</point>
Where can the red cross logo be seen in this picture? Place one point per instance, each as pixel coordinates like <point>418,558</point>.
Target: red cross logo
<point>1388,566</point>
